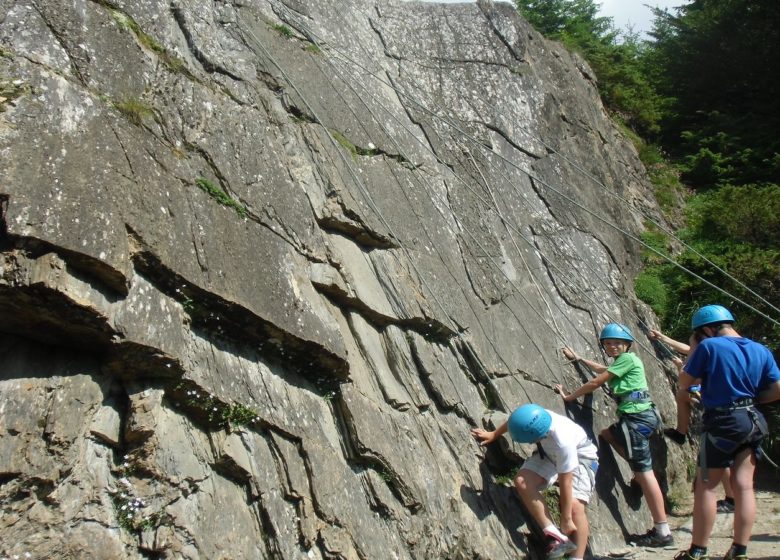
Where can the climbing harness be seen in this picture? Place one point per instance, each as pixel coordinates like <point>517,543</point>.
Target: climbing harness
<point>758,431</point>
<point>636,397</point>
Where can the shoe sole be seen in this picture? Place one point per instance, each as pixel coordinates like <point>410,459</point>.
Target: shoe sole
<point>562,550</point>
<point>653,545</point>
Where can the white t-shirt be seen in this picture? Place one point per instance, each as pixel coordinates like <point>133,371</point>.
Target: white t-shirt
<point>566,443</point>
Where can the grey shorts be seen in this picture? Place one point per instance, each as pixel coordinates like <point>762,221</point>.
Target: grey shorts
<point>583,481</point>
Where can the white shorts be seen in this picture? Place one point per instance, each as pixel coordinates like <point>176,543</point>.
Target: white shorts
<point>583,481</point>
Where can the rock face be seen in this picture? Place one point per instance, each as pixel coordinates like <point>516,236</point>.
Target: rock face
<point>265,263</point>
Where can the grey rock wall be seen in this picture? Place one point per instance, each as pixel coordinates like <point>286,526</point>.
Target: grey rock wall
<point>265,263</point>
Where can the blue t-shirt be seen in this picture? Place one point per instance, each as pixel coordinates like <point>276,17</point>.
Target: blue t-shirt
<point>731,368</point>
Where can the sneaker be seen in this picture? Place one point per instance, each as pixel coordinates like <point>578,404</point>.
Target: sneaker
<point>652,539</point>
<point>675,436</point>
<point>685,555</point>
<point>725,506</point>
<point>558,549</point>
<point>731,556</point>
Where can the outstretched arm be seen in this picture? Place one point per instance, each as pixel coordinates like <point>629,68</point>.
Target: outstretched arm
<point>586,389</point>
<point>590,364</point>
<point>676,345</point>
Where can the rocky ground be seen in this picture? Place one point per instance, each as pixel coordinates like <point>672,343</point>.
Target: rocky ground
<point>765,544</point>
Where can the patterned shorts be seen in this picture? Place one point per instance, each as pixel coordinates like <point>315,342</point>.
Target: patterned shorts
<point>633,432</point>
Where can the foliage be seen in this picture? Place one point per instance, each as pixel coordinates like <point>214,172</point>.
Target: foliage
<point>656,245</point>
<point>509,477</point>
<point>11,89</point>
<point>648,285</point>
<point>565,18</point>
<point>283,30</point>
<point>126,22</point>
<point>221,414</point>
<point>218,194</point>
<point>737,228</point>
<point>135,110</point>
<point>351,147</point>
<point>746,213</point>
<point>716,63</point>
<point>650,288</point>
<point>668,190</point>
<point>701,99</point>
<point>615,57</point>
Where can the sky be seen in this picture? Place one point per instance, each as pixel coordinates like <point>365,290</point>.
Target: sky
<point>634,12</point>
<point>623,12</point>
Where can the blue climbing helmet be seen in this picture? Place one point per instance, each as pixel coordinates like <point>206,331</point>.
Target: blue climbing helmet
<point>616,330</point>
<point>711,314</point>
<point>529,423</point>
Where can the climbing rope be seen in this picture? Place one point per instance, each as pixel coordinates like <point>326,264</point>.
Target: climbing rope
<point>621,230</point>
<point>555,327</point>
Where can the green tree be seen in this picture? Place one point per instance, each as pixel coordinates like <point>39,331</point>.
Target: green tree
<point>704,90</point>
<point>736,228</point>
<point>706,87</point>
<point>716,61</point>
<point>616,58</point>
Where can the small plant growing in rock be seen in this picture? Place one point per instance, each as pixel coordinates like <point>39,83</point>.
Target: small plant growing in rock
<point>127,510</point>
<point>676,498</point>
<point>551,499</point>
<point>173,63</point>
<point>351,147</point>
<point>508,478</point>
<point>312,48</point>
<point>239,415</point>
<point>11,89</point>
<point>218,413</point>
<point>385,475</point>
<point>327,387</point>
<point>283,30</point>
<point>135,110</point>
<point>217,193</point>
<point>132,512</point>
<point>188,304</point>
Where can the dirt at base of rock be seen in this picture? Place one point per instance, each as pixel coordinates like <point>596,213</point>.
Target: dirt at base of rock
<point>764,544</point>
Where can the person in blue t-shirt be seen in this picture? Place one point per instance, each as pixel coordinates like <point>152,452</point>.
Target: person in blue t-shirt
<point>735,373</point>
<point>685,401</point>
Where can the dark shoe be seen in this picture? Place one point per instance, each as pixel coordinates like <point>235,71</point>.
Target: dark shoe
<point>675,436</point>
<point>725,506</point>
<point>652,539</point>
<point>559,549</point>
<point>731,556</point>
<point>685,555</point>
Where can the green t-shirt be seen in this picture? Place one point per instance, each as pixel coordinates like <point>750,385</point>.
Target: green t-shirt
<point>628,374</point>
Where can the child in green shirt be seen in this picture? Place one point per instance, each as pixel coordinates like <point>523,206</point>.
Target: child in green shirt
<point>637,421</point>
